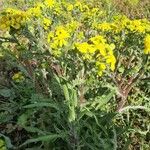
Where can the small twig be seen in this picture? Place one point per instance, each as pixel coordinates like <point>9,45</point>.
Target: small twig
<point>7,40</point>
<point>129,62</point>
<point>133,107</point>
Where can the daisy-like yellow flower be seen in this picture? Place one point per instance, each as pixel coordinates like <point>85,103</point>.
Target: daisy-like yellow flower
<point>49,3</point>
<point>61,36</point>
<point>57,39</point>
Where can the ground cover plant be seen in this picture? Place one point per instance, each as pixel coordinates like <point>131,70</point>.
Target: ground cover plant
<point>74,75</point>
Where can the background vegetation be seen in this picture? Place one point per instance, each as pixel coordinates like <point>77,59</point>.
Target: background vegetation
<point>59,96</point>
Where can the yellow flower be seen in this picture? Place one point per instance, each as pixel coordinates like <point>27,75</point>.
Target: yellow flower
<point>101,67</point>
<point>147,44</point>
<point>98,39</point>
<point>141,29</point>
<point>104,26</point>
<point>57,39</point>
<point>35,11</point>
<point>61,32</point>
<point>50,36</point>
<point>13,18</point>
<point>69,7</point>
<point>4,26</point>
<point>16,25</point>
<point>86,49</point>
<point>102,49</point>
<point>61,36</point>
<point>46,22</point>
<point>72,26</point>
<point>40,5</point>
<point>79,5</point>
<point>18,77</point>
<point>112,61</point>
<point>83,47</point>
<point>49,3</point>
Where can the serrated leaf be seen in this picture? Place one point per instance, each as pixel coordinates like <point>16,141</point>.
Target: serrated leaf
<point>34,130</point>
<point>22,120</point>
<point>66,92</point>
<point>105,99</point>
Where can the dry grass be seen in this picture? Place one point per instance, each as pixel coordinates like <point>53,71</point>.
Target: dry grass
<point>133,8</point>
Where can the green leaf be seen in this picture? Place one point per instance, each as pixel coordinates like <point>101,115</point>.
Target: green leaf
<point>7,141</point>
<point>66,92</point>
<point>51,137</point>
<point>34,130</point>
<point>98,103</point>
<point>75,98</point>
<point>33,148</point>
<point>105,99</point>
<point>42,104</point>
<point>22,120</point>
<point>5,92</point>
<point>72,114</point>
<point>121,69</point>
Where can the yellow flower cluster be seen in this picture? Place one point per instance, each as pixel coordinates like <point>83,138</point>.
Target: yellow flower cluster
<point>122,23</point>
<point>50,8</point>
<point>18,77</point>
<point>34,11</point>
<point>70,30</point>
<point>99,51</point>
<point>12,18</point>
<point>147,44</point>
<point>69,24</point>
<point>57,39</point>
<point>16,18</point>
